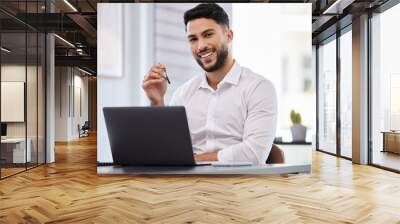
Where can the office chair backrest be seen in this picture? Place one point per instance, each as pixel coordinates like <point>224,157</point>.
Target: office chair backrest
<point>86,125</point>
<point>276,155</point>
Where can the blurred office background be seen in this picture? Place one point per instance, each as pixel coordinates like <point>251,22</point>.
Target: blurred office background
<point>47,94</point>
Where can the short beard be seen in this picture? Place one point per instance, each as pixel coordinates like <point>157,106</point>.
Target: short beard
<point>221,59</point>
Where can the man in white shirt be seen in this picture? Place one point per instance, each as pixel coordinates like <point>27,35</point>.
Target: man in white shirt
<point>231,110</point>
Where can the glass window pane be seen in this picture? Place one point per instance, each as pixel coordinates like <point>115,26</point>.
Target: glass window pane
<point>41,98</point>
<point>13,86</point>
<point>327,96</point>
<point>31,100</point>
<point>346,94</point>
<point>32,86</point>
<point>22,89</point>
<point>385,84</point>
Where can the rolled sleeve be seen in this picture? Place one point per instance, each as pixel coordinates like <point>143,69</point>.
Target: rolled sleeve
<point>259,128</point>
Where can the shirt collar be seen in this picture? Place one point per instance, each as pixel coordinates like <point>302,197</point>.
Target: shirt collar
<point>232,77</point>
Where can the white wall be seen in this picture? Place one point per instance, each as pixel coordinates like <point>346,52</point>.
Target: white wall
<point>274,40</point>
<point>33,126</point>
<point>122,89</point>
<point>61,103</point>
<point>68,82</point>
<point>12,73</point>
<point>80,118</point>
<point>17,73</point>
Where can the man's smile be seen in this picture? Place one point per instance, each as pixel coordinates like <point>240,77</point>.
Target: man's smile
<point>206,56</point>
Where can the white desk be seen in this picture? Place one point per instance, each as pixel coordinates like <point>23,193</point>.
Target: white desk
<point>18,149</point>
<point>195,170</point>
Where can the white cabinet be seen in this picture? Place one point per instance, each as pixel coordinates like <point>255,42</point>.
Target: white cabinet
<point>19,155</point>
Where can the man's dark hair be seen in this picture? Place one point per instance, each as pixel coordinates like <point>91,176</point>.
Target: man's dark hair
<point>208,11</point>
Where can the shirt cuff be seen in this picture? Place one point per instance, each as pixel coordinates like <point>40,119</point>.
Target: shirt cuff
<point>225,155</point>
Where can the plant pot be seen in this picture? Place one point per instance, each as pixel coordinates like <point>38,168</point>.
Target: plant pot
<point>298,133</point>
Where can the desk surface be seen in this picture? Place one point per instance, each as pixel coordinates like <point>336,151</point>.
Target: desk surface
<point>390,132</point>
<point>13,140</point>
<point>292,143</point>
<point>262,169</point>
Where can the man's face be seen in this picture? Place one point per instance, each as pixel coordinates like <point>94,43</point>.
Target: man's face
<point>209,43</point>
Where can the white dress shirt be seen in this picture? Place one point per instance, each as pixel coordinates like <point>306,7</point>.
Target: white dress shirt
<point>238,119</point>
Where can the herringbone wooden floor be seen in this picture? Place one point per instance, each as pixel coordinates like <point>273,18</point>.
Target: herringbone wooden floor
<point>70,191</point>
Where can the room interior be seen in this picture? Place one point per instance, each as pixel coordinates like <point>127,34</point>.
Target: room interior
<point>49,91</point>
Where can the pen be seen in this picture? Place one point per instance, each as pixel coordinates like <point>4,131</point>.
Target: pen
<point>166,76</point>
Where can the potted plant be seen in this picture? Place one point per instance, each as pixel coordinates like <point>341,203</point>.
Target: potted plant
<point>298,130</point>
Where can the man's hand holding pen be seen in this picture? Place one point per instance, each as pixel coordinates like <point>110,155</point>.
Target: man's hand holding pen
<point>155,84</point>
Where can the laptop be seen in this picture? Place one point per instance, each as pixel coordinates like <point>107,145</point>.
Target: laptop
<point>150,136</point>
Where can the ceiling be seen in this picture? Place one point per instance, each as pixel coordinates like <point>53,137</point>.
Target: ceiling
<point>75,22</point>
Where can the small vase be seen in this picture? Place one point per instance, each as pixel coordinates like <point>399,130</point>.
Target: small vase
<point>298,133</point>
